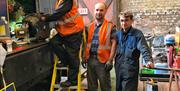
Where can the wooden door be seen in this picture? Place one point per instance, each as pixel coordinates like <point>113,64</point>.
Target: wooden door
<point>111,14</point>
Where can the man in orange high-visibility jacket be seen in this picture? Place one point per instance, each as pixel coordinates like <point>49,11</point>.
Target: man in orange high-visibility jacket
<point>66,44</point>
<point>100,50</point>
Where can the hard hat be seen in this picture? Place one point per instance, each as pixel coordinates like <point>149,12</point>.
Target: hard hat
<point>169,40</point>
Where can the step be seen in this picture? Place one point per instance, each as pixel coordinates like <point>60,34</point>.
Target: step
<point>83,85</point>
<point>62,68</point>
<point>64,78</point>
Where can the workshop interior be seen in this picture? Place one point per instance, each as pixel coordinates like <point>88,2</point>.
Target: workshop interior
<point>28,62</point>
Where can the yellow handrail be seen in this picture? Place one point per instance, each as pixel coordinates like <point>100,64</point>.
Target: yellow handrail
<point>54,74</point>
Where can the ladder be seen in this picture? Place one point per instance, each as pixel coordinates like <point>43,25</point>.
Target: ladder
<point>82,81</point>
<point>81,75</point>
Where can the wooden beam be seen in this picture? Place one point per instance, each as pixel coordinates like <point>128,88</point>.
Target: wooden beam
<point>116,10</point>
<point>108,3</point>
<point>90,16</point>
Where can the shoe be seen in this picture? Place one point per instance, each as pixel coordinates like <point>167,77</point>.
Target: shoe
<point>60,65</point>
<point>67,84</point>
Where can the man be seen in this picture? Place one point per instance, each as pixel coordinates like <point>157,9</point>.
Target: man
<point>66,44</point>
<point>130,43</point>
<point>100,50</point>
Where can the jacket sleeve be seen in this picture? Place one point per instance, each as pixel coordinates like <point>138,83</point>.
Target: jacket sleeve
<point>144,48</point>
<point>64,8</point>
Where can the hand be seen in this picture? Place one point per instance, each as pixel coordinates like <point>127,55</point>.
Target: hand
<point>150,65</point>
<point>84,63</point>
<point>43,18</point>
<point>108,66</point>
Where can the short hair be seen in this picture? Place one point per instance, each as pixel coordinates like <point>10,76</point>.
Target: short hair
<point>126,14</point>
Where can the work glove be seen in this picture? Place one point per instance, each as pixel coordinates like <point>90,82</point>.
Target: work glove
<point>84,63</point>
<point>108,66</point>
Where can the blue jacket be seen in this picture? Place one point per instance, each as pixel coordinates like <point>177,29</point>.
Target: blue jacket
<point>130,47</point>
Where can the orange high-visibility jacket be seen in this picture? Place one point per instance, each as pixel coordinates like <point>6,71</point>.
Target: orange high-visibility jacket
<point>104,41</point>
<point>71,23</point>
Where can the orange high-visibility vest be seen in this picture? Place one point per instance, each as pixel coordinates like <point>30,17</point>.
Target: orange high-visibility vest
<point>104,41</point>
<point>71,23</point>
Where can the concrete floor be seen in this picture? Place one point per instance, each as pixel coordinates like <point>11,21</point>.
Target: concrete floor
<point>162,86</point>
<point>113,80</point>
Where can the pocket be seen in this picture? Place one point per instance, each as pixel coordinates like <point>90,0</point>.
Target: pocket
<point>129,52</point>
<point>132,72</point>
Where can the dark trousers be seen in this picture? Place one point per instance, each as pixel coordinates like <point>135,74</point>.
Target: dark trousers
<point>1,81</point>
<point>67,49</point>
<point>96,71</point>
<point>126,77</point>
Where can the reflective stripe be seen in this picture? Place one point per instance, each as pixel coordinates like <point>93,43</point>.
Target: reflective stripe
<point>108,35</point>
<point>68,19</point>
<point>109,30</point>
<point>108,38</point>
<point>88,45</point>
<point>104,47</point>
<point>58,4</point>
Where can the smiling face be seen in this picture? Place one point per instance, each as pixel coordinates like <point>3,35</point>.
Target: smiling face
<point>100,11</point>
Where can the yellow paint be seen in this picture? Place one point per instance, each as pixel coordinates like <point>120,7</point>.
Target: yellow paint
<point>79,74</point>
<point>177,36</point>
<point>54,74</point>
<point>2,30</point>
<point>11,84</point>
<point>80,57</point>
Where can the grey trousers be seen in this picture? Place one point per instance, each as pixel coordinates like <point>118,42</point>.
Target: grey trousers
<point>96,71</point>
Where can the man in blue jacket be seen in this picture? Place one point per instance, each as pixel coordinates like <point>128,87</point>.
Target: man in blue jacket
<point>131,42</point>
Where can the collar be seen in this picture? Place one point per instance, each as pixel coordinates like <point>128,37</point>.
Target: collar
<point>98,23</point>
<point>129,32</point>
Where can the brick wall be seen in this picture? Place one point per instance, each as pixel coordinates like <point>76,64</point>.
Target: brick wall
<point>158,15</point>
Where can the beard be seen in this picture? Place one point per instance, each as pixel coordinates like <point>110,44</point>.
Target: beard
<point>99,16</point>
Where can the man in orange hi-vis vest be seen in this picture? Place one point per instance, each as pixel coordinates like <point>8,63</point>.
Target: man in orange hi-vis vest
<point>100,50</point>
<point>66,44</point>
